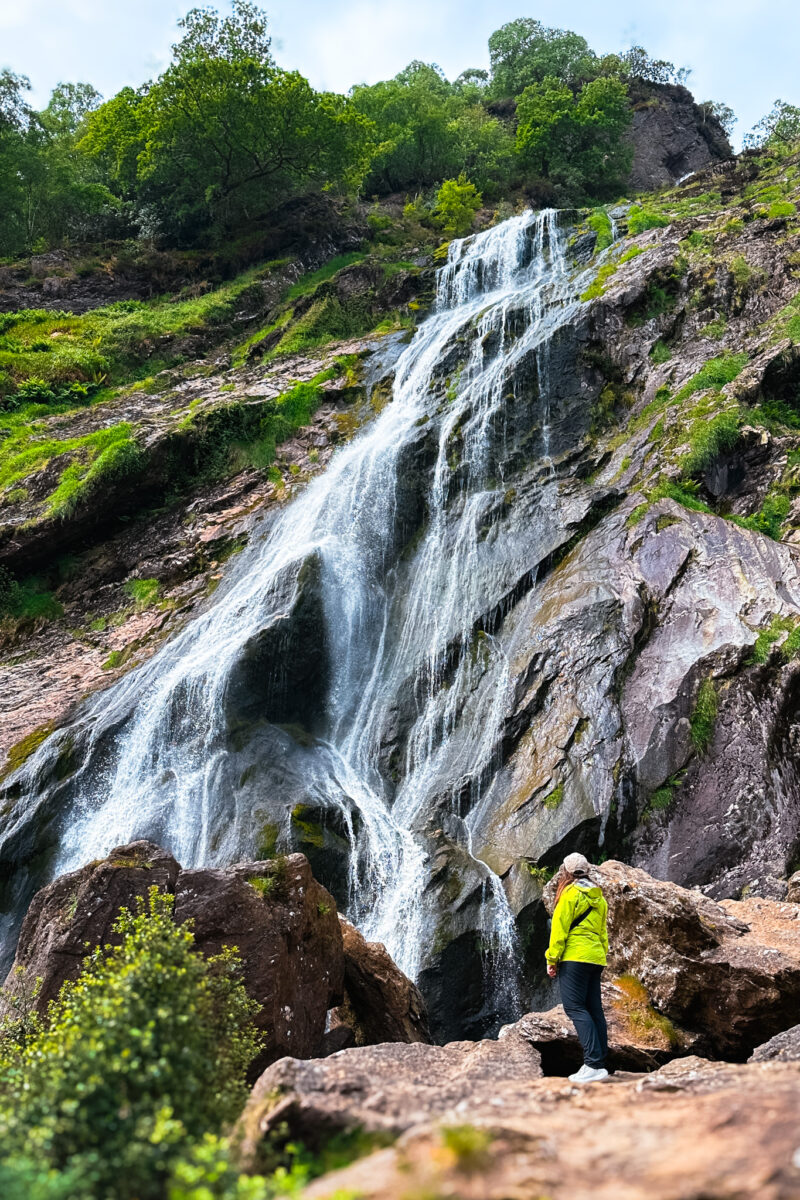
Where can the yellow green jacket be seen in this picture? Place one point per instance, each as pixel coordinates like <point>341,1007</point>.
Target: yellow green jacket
<point>587,942</point>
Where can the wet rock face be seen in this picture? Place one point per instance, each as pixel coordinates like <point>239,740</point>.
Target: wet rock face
<point>283,922</point>
<point>671,136</point>
<point>381,1004</point>
<point>728,973</point>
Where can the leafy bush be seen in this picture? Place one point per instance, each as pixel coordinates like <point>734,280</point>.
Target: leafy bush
<point>457,202</point>
<point>143,1054</point>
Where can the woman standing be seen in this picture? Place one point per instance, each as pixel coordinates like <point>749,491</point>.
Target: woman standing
<point>577,954</point>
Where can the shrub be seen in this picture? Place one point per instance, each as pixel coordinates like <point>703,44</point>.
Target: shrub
<point>457,202</point>
<point>140,1056</point>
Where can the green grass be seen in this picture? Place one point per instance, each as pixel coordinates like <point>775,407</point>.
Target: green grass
<point>597,288</point>
<point>21,751</point>
<point>143,592</point>
<point>770,519</point>
<point>762,647</point>
<point>682,493</point>
<point>27,600</point>
<point>716,373</point>
<point>109,459</point>
<point>709,439</point>
<point>641,218</point>
<point>660,353</point>
<point>309,282</point>
<point>704,716</point>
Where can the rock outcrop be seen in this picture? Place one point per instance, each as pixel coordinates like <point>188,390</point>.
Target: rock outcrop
<point>691,1129</point>
<point>672,136</point>
<point>381,1004</point>
<point>283,922</point>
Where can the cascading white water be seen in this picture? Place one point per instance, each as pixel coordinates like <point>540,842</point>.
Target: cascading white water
<point>504,293</point>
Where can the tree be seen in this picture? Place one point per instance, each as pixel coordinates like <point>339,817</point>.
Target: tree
<point>525,52</point>
<point>638,64</point>
<point>576,140</point>
<point>780,127</point>
<point>137,1059</point>
<point>456,204</point>
<point>223,134</point>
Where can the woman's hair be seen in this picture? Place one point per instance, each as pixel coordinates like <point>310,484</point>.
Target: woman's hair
<point>564,880</point>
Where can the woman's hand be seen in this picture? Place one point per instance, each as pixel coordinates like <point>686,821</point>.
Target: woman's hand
<point>552,970</point>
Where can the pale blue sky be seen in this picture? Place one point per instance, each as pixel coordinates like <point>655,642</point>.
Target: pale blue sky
<point>744,52</point>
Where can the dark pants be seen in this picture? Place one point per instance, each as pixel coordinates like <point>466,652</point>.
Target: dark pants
<point>580,994</point>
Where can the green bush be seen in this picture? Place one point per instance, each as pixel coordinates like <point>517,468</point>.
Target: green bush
<point>144,1053</point>
<point>457,202</point>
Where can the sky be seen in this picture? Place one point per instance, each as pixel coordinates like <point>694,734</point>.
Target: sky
<point>742,52</point>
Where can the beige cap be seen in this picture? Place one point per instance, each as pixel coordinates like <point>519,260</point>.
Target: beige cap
<point>576,864</point>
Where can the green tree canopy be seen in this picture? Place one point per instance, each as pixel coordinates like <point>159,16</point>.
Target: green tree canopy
<point>576,140</point>
<point>525,52</point>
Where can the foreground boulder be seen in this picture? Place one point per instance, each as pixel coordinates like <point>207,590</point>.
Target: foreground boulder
<point>639,1038</point>
<point>381,1089</point>
<point>728,972</point>
<point>381,1003</point>
<point>692,1129</point>
<point>283,922</point>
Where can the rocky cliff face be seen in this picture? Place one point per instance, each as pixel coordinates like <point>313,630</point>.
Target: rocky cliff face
<point>672,136</point>
<point>631,596</point>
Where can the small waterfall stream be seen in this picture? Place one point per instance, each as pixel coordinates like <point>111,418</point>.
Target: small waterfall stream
<point>156,745</point>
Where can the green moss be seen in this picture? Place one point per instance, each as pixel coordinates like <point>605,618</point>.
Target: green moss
<point>21,751</point>
<point>555,798</point>
<point>468,1145</point>
<point>597,289</point>
<point>267,840</point>
<point>635,517</point>
<point>704,716</point>
<point>27,599</point>
<point>781,209</point>
<point>309,282</point>
<point>310,832</point>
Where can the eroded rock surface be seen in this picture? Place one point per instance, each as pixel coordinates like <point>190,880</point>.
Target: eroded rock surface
<point>784,1047</point>
<point>691,1129</point>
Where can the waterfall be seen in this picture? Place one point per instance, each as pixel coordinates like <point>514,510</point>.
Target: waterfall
<point>398,629</point>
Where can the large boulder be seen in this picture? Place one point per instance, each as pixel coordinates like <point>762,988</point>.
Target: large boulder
<point>287,932</point>
<point>729,972</point>
<point>639,1038</point>
<point>381,1003</point>
<point>381,1089</point>
<point>282,921</point>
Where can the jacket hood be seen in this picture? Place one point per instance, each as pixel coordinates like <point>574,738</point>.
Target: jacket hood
<point>590,890</point>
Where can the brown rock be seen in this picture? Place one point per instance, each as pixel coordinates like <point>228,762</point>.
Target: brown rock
<point>381,1003</point>
<point>75,913</point>
<point>388,1088</point>
<point>692,1129</point>
<point>288,938</point>
<point>730,972</point>
<point>639,1038</point>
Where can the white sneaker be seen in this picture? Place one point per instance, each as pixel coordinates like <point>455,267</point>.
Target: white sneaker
<point>589,1075</point>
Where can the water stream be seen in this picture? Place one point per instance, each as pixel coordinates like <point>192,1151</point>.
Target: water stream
<point>400,628</point>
